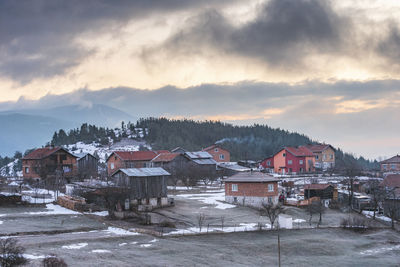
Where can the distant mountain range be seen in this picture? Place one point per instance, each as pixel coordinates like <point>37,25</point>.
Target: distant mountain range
<point>27,128</point>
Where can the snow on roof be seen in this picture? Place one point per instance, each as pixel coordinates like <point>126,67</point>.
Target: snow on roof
<point>253,177</point>
<point>205,161</point>
<point>198,155</point>
<point>144,172</point>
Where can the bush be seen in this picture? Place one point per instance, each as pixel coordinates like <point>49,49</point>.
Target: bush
<point>356,224</point>
<point>167,224</point>
<point>54,261</point>
<point>11,254</point>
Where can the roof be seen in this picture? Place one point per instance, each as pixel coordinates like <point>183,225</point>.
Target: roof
<point>392,180</point>
<point>233,166</point>
<point>299,151</point>
<point>162,151</point>
<point>143,172</point>
<point>178,149</point>
<point>165,157</point>
<point>395,159</point>
<point>42,153</point>
<point>82,155</point>
<point>251,177</point>
<point>212,147</point>
<point>204,161</point>
<point>134,155</point>
<point>198,155</point>
<point>317,186</point>
<point>318,147</point>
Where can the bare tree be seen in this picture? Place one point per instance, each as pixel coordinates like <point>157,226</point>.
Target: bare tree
<point>377,194</point>
<point>11,254</point>
<point>317,207</point>
<point>200,220</point>
<point>271,211</point>
<point>222,222</point>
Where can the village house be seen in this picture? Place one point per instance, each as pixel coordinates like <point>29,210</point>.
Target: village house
<point>88,166</point>
<point>202,160</point>
<point>47,161</point>
<point>251,189</point>
<point>324,156</point>
<point>146,186</point>
<point>392,200</point>
<point>267,164</point>
<point>294,160</point>
<point>391,165</point>
<point>174,163</point>
<point>218,153</point>
<point>129,159</point>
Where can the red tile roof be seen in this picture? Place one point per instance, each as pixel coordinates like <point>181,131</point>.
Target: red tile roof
<point>212,147</point>
<point>299,151</point>
<point>318,147</point>
<point>395,159</point>
<point>392,180</point>
<point>42,153</point>
<point>162,151</point>
<point>135,155</point>
<point>317,186</point>
<point>165,157</point>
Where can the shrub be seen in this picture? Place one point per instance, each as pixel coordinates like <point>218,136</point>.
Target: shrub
<point>11,254</point>
<point>167,224</point>
<point>54,261</point>
<point>356,224</point>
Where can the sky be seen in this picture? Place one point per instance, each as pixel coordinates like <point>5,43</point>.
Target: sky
<point>328,69</point>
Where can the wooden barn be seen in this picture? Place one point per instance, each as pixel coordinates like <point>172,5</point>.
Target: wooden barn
<point>323,191</point>
<point>146,186</point>
<point>88,166</point>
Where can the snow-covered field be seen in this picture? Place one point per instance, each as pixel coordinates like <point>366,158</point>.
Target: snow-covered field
<point>215,198</point>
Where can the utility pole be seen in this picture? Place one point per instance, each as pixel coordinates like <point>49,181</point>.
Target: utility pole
<point>279,250</point>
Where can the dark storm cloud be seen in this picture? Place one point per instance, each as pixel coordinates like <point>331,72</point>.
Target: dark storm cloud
<point>37,37</point>
<point>389,47</point>
<point>284,32</point>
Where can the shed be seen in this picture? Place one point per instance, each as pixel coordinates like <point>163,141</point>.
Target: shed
<point>146,186</point>
<point>323,191</point>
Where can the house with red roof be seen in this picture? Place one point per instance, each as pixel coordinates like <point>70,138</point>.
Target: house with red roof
<point>294,160</point>
<point>43,162</point>
<point>324,155</point>
<point>129,159</point>
<point>391,165</point>
<point>218,153</point>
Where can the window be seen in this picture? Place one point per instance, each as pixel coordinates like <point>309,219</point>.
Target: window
<point>301,161</point>
<point>215,149</point>
<point>112,165</point>
<point>332,156</point>
<point>115,158</point>
<point>270,200</point>
<point>26,169</point>
<point>384,166</point>
<point>324,156</point>
<point>221,156</point>
<point>317,157</point>
<point>235,199</point>
<point>284,154</point>
<point>301,170</point>
<point>234,187</point>
<point>66,168</point>
<point>290,162</point>
<point>270,187</point>
<point>393,166</point>
<point>268,163</point>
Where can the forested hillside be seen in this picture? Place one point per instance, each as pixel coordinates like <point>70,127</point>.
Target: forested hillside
<point>244,142</point>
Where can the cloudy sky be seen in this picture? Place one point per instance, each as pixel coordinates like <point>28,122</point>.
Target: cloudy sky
<point>329,69</point>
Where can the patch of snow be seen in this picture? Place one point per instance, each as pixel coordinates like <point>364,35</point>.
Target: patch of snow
<point>122,244</point>
<point>101,251</point>
<point>33,257</point>
<point>154,240</point>
<point>119,231</point>
<point>134,243</point>
<point>1,222</point>
<point>370,214</point>
<point>299,220</point>
<point>243,227</point>
<point>179,188</point>
<point>53,210</point>
<point>379,250</point>
<point>211,199</point>
<point>145,245</point>
<point>75,246</point>
<point>98,213</point>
